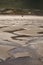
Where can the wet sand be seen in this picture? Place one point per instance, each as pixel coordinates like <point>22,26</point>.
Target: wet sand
<point>19,32</point>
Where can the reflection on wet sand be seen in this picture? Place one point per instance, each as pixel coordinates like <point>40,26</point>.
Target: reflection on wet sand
<point>21,61</point>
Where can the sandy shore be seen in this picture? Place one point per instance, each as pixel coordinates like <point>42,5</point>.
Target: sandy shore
<point>21,31</point>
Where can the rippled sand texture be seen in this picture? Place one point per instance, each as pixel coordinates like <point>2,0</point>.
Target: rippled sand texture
<point>21,34</point>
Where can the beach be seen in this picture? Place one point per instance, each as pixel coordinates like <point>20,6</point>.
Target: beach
<point>21,31</point>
